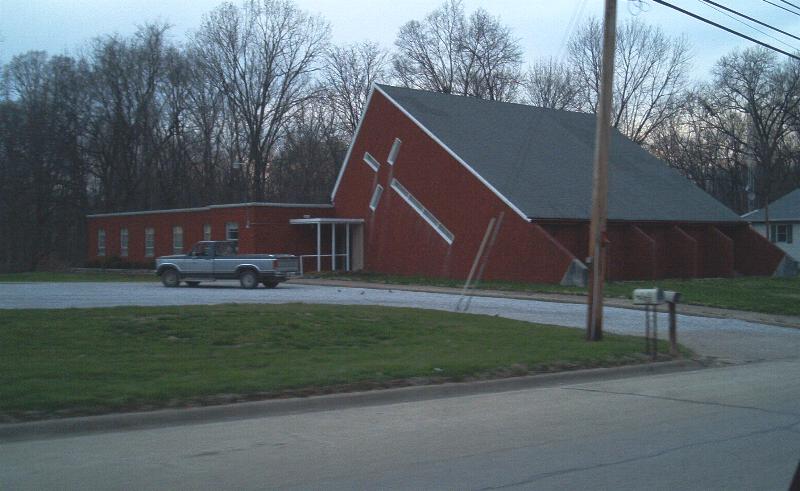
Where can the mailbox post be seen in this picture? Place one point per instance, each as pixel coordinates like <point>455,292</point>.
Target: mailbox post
<point>672,298</point>
<point>650,298</point>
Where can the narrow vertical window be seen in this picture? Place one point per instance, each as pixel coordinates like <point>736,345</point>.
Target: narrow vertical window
<point>123,242</point>
<point>376,197</point>
<point>395,150</point>
<point>207,231</point>
<point>149,242</point>
<point>423,212</point>
<point>371,161</point>
<point>177,240</point>
<point>101,242</point>
<point>232,231</point>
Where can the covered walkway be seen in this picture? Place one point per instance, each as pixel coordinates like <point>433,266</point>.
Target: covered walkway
<point>350,254</point>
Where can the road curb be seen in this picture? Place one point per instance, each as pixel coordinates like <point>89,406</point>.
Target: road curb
<point>276,407</point>
<point>691,310</point>
<point>124,271</point>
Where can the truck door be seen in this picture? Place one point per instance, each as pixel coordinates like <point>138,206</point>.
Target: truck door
<point>200,262</point>
<point>225,260</point>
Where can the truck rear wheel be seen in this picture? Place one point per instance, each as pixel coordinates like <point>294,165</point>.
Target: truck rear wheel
<point>248,279</point>
<point>170,278</point>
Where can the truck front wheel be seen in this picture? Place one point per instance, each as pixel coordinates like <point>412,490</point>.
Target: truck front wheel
<point>170,278</point>
<point>248,279</point>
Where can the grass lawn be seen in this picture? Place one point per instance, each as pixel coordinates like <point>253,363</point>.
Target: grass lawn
<point>83,361</point>
<point>67,276</point>
<point>755,294</point>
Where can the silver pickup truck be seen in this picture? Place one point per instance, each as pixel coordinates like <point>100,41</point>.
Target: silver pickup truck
<point>218,260</point>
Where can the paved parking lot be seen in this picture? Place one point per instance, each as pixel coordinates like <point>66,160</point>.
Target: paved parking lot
<point>724,338</point>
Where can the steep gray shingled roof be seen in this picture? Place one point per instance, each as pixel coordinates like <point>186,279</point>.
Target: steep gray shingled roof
<point>541,160</point>
<point>786,208</point>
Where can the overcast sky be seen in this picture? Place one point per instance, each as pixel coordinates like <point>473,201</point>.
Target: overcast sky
<point>64,26</point>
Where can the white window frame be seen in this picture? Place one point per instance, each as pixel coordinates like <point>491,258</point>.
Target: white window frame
<point>207,231</point>
<point>394,151</point>
<point>101,242</point>
<point>426,215</point>
<point>123,242</point>
<point>376,197</point>
<point>371,161</point>
<point>149,242</point>
<point>231,227</point>
<point>177,239</point>
<point>781,229</point>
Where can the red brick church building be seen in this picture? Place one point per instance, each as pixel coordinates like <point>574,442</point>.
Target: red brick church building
<point>427,173</point>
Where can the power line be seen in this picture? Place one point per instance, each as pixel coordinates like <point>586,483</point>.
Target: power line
<point>711,4</point>
<point>751,19</point>
<point>720,26</point>
<point>790,3</point>
<point>782,7</point>
<point>573,22</point>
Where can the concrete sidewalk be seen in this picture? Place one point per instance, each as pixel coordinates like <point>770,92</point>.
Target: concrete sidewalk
<point>683,309</point>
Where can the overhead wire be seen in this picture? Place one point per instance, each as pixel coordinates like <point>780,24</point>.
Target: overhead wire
<point>711,4</point>
<point>728,29</point>
<point>790,3</point>
<point>784,8</point>
<point>574,20</point>
<point>751,19</point>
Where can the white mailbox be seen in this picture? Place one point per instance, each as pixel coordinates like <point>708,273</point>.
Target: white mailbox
<point>672,297</point>
<point>648,296</point>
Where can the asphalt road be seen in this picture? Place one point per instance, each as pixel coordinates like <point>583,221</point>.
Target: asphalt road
<point>727,339</point>
<point>736,427</point>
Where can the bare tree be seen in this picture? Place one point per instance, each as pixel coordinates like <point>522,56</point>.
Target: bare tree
<point>172,174</point>
<point>206,116</point>
<point>428,51</point>
<point>348,76</point>
<point>122,139</point>
<point>446,52</point>
<point>308,161</point>
<point>140,123</point>
<point>753,100</point>
<point>43,185</point>
<point>715,162</point>
<point>261,56</point>
<point>651,72</point>
<point>492,58</point>
<point>551,84</point>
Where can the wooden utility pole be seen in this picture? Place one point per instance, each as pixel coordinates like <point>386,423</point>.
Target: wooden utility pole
<point>597,231</point>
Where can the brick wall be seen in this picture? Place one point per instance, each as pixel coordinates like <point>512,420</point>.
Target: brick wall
<point>399,241</point>
<point>262,229</point>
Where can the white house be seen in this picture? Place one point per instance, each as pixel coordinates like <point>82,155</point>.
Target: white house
<point>784,223</point>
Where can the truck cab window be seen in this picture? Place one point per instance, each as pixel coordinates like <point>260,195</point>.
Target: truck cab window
<point>201,250</point>
<point>225,249</point>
